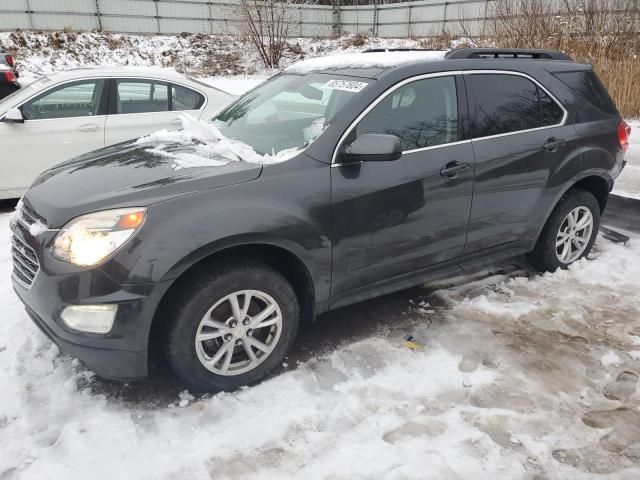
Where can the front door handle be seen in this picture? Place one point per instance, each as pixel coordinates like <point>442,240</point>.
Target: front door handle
<point>177,122</point>
<point>554,143</point>
<point>452,169</point>
<point>89,127</point>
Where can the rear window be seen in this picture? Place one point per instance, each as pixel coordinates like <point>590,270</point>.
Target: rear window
<point>504,104</point>
<point>141,96</point>
<point>183,98</point>
<point>509,104</point>
<point>595,103</point>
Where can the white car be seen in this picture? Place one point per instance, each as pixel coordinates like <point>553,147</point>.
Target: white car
<point>66,114</point>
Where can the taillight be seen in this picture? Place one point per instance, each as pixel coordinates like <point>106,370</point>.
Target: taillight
<point>624,132</point>
<point>10,61</point>
<point>10,77</point>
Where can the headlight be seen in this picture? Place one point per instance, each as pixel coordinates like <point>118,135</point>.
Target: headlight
<point>89,239</point>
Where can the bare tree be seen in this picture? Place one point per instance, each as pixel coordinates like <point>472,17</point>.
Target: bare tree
<point>267,24</point>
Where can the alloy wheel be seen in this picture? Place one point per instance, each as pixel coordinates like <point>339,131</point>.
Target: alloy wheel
<point>574,234</point>
<point>238,332</point>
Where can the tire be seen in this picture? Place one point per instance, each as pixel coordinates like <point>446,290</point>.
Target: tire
<point>193,314</point>
<point>546,256</point>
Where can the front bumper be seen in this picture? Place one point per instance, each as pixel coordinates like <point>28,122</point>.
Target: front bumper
<point>122,353</point>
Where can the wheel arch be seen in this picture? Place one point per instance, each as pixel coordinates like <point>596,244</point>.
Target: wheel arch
<point>276,256</point>
<point>598,185</point>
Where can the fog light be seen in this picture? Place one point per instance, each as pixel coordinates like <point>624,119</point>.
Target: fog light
<point>89,318</point>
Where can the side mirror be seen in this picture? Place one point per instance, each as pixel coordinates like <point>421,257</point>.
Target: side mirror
<point>373,147</point>
<point>14,115</point>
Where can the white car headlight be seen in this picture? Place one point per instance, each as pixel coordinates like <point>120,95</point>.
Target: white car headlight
<point>89,239</point>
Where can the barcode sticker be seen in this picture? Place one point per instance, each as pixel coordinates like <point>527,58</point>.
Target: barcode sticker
<point>346,85</point>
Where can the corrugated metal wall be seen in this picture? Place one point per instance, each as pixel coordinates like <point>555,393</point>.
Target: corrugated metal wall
<point>145,16</point>
<point>420,18</point>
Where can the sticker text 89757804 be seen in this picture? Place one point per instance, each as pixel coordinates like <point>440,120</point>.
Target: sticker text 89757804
<point>347,85</point>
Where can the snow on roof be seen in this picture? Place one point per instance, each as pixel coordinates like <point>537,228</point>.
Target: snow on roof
<point>116,70</point>
<point>365,60</point>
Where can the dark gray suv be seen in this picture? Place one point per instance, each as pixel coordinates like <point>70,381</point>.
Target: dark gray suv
<point>401,167</point>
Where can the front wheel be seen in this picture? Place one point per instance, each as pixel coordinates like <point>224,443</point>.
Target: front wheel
<point>232,327</point>
<point>569,233</point>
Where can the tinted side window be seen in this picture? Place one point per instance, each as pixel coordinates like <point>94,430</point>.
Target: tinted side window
<point>141,96</point>
<point>183,98</point>
<point>422,114</point>
<point>549,110</point>
<point>504,104</point>
<point>78,99</point>
<point>594,102</point>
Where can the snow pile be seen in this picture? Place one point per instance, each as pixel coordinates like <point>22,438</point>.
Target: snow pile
<point>360,60</point>
<point>45,52</point>
<point>35,227</point>
<point>313,131</point>
<point>200,55</point>
<point>610,359</point>
<point>208,146</point>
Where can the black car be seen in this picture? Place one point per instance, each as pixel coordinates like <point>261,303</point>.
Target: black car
<point>401,167</point>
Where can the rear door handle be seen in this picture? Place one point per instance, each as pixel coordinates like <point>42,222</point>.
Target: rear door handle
<point>176,121</point>
<point>89,127</point>
<point>554,143</point>
<point>452,169</point>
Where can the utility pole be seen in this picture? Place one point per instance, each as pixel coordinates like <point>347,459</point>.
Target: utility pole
<point>337,20</point>
<point>99,15</point>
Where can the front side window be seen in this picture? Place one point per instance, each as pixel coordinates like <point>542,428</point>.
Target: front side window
<point>141,96</point>
<point>421,114</point>
<point>288,111</point>
<point>77,99</point>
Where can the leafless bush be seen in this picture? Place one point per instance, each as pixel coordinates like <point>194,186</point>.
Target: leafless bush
<point>267,24</point>
<point>357,40</point>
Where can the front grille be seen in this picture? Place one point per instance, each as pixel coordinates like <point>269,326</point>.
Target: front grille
<point>25,261</point>
<point>28,217</point>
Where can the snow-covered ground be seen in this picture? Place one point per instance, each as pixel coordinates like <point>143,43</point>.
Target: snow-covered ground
<point>515,376</point>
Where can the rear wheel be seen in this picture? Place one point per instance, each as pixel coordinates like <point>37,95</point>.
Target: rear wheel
<point>569,233</point>
<point>232,327</point>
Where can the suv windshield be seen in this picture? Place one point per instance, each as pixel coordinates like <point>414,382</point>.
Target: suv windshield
<point>288,111</point>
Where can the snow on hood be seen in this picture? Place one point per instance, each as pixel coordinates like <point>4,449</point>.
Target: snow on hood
<point>35,227</point>
<point>365,60</point>
<point>210,148</point>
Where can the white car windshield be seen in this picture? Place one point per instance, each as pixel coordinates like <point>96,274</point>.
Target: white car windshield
<point>288,111</point>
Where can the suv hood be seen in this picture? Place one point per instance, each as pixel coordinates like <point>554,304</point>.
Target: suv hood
<point>127,174</point>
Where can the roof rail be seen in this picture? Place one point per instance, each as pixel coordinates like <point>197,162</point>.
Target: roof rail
<point>524,53</point>
<point>377,50</point>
